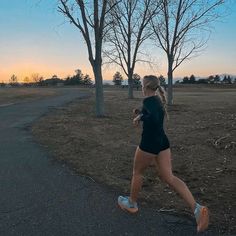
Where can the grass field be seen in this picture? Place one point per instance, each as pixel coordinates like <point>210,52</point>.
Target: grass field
<point>15,95</point>
<point>202,132</point>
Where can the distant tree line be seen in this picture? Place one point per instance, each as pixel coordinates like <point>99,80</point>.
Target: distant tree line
<point>118,80</point>
<point>80,79</point>
<point>36,80</point>
<point>212,79</point>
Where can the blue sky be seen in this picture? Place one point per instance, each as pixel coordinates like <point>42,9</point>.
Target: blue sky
<point>35,38</point>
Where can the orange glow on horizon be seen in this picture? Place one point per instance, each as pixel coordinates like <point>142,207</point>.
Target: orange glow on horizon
<point>46,71</point>
<point>26,69</point>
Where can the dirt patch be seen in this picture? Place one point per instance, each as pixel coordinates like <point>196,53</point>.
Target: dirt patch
<point>202,132</point>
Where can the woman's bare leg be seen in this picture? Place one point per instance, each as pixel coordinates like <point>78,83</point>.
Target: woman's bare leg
<point>164,166</point>
<point>142,160</point>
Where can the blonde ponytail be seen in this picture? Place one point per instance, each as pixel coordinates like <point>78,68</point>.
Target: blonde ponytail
<point>163,99</point>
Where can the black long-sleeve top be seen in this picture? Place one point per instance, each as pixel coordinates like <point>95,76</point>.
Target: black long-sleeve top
<point>152,115</point>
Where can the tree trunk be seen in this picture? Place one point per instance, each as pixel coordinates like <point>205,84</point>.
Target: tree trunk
<point>99,90</point>
<point>170,84</point>
<point>130,83</point>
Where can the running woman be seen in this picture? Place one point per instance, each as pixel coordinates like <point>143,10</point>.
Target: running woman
<point>155,146</point>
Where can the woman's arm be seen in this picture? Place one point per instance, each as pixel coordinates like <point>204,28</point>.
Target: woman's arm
<point>150,111</point>
<point>145,114</point>
<point>137,119</point>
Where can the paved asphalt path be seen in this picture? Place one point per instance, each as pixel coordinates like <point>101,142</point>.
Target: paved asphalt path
<point>39,196</point>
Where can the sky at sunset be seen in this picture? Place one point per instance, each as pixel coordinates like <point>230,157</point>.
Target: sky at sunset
<point>35,38</point>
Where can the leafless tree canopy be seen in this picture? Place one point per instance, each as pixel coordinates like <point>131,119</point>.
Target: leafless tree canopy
<point>129,20</point>
<point>128,30</point>
<point>182,26</point>
<point>89,18</point>
<point>179,27</point>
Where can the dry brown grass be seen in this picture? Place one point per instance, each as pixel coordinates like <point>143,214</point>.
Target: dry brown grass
<point>14,95</point>
<point>202,131</point>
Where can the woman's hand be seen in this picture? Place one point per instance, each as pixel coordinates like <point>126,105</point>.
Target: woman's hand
<point>136,112</point>
<point>136,120</point>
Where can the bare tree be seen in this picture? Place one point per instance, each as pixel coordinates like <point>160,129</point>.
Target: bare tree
<point>89,18</point>
<point>13,80</point>
<point>35,77</point>
<point>182,29</point>
<point>129,21</point>
<point>26,80</point>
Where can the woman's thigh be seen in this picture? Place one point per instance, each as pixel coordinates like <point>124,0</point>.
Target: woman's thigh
<point>163,163</point>
<point>142,160</point>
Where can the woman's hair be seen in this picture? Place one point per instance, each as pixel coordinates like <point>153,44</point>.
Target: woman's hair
<point>153,83</point>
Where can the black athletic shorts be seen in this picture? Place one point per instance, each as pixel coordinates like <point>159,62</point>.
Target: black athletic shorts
<point>154,145</point>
